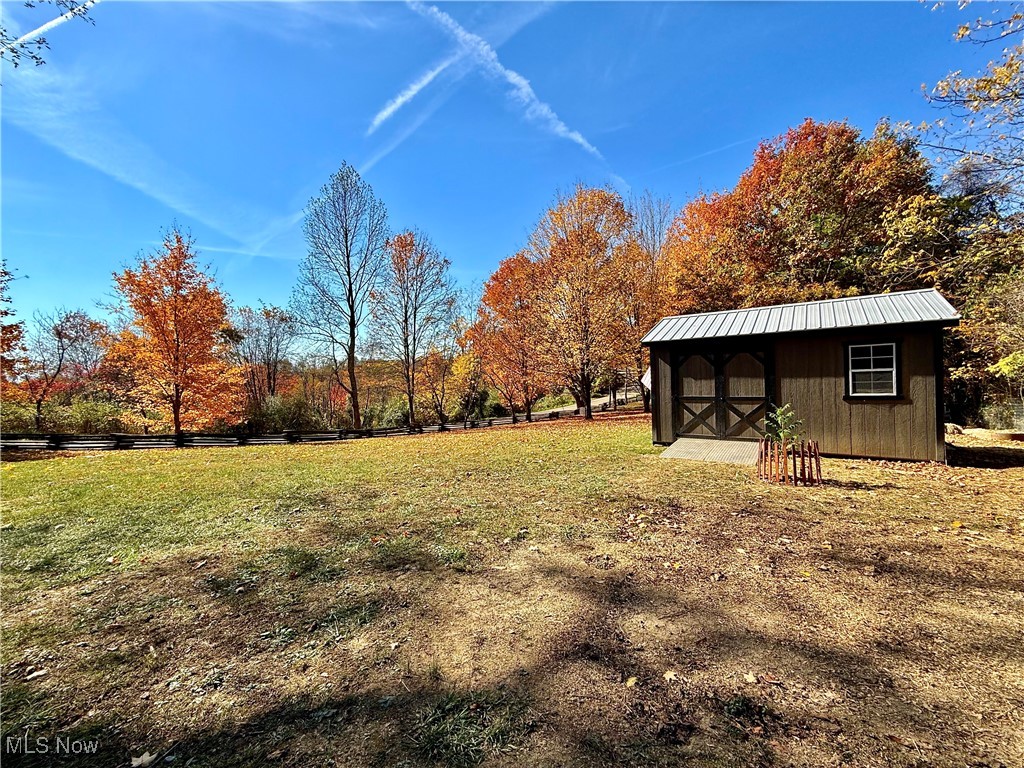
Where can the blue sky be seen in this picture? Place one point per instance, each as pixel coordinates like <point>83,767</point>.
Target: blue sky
<point>466,118</point>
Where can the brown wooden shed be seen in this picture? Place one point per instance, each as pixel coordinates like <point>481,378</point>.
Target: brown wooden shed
<point>863,373</point>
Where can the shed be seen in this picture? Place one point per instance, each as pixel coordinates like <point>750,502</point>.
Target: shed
<point>865,373</point>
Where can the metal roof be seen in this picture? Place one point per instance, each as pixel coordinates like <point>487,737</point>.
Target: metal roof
<point>924,306</point>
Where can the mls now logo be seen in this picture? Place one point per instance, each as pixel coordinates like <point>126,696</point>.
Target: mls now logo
<point>44,745</point>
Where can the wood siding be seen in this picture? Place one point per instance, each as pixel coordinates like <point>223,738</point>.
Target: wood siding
<point>810,373</point>
<point>661,395</point>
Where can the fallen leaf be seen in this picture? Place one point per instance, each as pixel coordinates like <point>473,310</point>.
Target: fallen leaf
<point>750,677</point>
<point>146,760</point>
<point>670,676</point>
<point>631,682</point>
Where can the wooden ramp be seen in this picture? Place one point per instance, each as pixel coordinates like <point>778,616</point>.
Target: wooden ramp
<point>703,449</point>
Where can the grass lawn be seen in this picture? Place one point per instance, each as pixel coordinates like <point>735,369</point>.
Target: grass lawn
<point>551,594</point>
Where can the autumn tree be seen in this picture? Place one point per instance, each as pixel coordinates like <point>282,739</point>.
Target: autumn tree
<point>983,127</point>
<point>804,222</point>
<point>415,303</point>
<point>573,252</point>
<point>11,334</point>
<point>173,341</point>
<point>508,332</point>
<point>54,344</point>
<point>642,271</point>
<point>266,336</point>
<point>347,233</point>
<point>322,399</point>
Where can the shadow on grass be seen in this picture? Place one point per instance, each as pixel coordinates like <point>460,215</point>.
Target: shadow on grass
<point>856,485</point>
<point>985,457</point>
<point>25,454</point>
<point>571,704</point>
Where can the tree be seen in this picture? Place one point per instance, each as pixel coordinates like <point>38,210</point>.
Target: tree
<point>53,344</point>
<point>174,342</point>
<point>11,334</point>
<point>347,233</point>
<point>642,269</point>
<point>984,353</point>
<point>804,222</point>
<point>508,332</point>
<point>985,128</point>
<point>30,46</point>
<point>416,302</point>
<point>319,392</point>
<point>435,371</point>
<point>266,336</point>
<point>573,250</point>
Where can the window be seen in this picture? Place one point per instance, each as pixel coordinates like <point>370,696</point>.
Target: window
<point>872,370</point>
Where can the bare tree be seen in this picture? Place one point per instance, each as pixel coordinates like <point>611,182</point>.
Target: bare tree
<point>53,342</point>
<point>267,335</point>
<point>644,274</point>
<point>347,231</point>
<point>416,304</point>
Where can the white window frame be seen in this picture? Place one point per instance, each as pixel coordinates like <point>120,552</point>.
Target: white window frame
<point>891,370</point>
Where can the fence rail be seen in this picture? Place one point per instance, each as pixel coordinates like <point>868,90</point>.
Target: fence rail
<point>124,441</point>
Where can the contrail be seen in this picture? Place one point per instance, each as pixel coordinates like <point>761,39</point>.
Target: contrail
<point>409,93</point>
<point>39,32</point>
<point>521,90</point>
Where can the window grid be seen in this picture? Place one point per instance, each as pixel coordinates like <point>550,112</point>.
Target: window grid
<point>872,370</point>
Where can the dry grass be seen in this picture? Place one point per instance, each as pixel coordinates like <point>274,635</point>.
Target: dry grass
<point>552,594</point>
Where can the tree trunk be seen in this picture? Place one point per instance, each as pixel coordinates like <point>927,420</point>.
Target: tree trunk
<point>578,397</point>
<point>645,393</point>
<point>412,415</point>
<point>588,387</point>
<point>176,413</point>
<point>353,389</point>
<point>39,415</point>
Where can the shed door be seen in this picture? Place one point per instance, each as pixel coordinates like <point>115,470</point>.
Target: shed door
<point>721,394</point>
<point>696,405</point>
<point>744,399</point>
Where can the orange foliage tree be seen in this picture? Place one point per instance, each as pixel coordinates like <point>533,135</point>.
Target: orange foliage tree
<point>11,333</point>
<point>803,222</point>
<point>507,334</point>
<point>573,252</point>
<point>174,345</point>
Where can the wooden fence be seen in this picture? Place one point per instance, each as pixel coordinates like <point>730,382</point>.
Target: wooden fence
<point>124,441</point>
<point>775,460</point>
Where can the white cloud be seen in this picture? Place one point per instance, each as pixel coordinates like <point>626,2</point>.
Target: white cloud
<point>62,111</point>
<point>521,91</point>
<point>410,92</point>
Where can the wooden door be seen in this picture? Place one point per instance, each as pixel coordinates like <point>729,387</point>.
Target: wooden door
<point>745,395</point>
<point>721,394</point>
<point>696,405</point>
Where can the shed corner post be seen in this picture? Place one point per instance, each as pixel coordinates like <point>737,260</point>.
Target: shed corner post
<point>940,395</point>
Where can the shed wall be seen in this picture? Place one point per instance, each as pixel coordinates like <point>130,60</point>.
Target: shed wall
<point>810,373</point>
<point>662,411</point>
